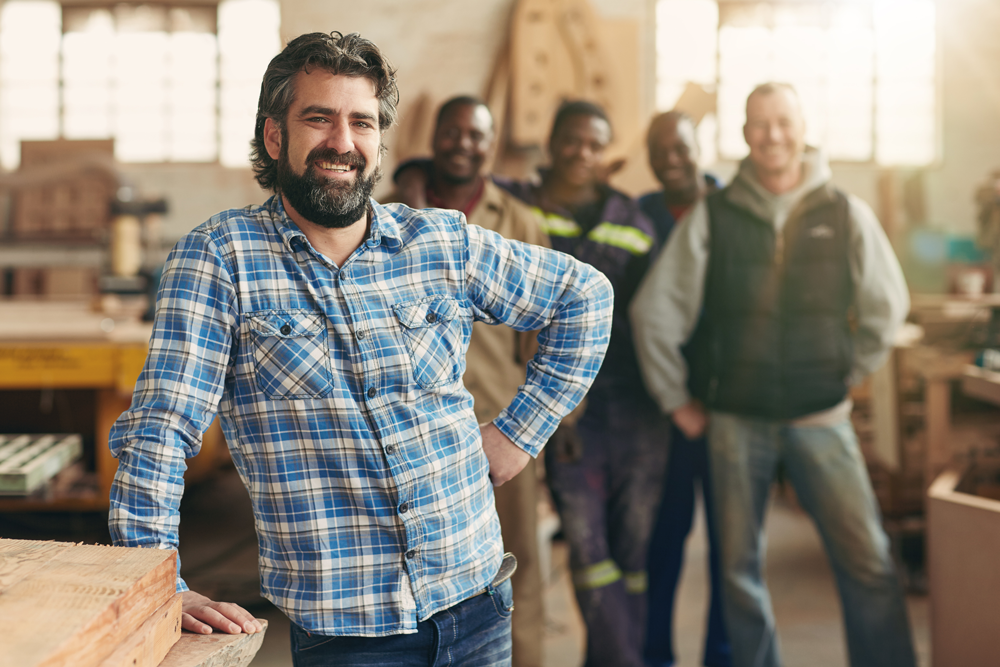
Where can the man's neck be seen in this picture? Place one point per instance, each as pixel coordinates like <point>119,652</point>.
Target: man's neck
<point>568,195</point>
<point>456,196</point>
<point>780,182</point>
<point>686,198</point>
<point>335,244</point>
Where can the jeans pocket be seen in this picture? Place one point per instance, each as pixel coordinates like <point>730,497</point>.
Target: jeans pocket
<point>435,339</point>
<point>291,354</point>
<point>503,598</point>
<point>306,641</point>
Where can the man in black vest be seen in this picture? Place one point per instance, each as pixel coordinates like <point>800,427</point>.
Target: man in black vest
<point>789,292</point>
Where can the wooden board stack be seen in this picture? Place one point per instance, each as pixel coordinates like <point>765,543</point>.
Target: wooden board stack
<point>76,605</point>
<point>28,461</point>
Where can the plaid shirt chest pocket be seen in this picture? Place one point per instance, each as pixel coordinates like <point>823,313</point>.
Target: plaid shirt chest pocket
<point>434,334</point>
<point>291,353</point>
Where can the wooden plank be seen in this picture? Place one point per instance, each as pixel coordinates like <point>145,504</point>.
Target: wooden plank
<point>21,558</point>
<point>38,459</point>
<point>215,650</point>
<point>149,645</point>
<point>79,605</point>
<point>885,413</point>
<point>937,418</point>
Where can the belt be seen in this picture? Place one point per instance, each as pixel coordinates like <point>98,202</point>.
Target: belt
<point>507,568</point>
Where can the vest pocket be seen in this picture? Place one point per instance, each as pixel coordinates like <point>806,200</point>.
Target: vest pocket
<point>432,332</point>
<point>291,354</point>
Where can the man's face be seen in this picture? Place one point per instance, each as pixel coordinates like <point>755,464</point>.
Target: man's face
<point>775,131</point>
<point>328,148</point>
<point>577,149</point>
<point>462,142</point>
<point>673,157</point>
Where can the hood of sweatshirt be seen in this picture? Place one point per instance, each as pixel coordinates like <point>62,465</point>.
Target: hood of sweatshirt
<point>747,192</point>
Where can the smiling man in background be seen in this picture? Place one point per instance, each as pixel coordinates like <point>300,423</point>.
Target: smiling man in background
<point>796,294</point>
<point>329,333</point>
<point>673,158</point>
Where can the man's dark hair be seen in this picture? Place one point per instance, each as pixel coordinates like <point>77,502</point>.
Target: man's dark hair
<point>458,101</point>
<point>577,108</point>
<point>351,55</point>
<point>675,116</point>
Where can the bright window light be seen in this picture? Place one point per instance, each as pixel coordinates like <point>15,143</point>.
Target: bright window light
<point>865,70</point>
<point>168,83</point>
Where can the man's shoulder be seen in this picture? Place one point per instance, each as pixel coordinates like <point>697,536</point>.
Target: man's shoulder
<point>413,224</point>
<point>622,209</point>
<point>523,190</point>
<point>234,225</point>
<point>501,211</point>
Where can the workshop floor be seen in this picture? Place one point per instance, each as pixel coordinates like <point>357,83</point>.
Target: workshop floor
<point>218,549</point>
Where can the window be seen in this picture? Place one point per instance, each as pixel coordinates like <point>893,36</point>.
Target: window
<point>168,82</point>
<point>865,71</point>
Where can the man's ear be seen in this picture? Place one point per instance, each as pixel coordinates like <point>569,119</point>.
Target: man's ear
<point>272,138</point>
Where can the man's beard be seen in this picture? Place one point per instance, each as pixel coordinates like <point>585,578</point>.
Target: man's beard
<point>326,202</point>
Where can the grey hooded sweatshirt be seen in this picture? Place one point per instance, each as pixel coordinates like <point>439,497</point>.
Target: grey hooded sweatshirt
<point>668,304</point>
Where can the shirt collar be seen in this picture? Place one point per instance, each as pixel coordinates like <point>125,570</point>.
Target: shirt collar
<point>383,228</point>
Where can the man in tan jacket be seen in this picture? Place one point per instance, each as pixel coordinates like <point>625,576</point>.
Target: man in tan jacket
<point>463,142</point>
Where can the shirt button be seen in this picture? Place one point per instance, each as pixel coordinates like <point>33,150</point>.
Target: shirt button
<point>285,330</point>
<point>431,318</point>
<point>404,508</point>
<point>361,334</point>
<point>371,392</point>
<point>411,554</point>
<point>390,449</point>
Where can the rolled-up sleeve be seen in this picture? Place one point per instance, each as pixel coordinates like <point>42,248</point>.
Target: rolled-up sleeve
<point>531,288</point>
<point>175,398</point>
<point>881,298</point>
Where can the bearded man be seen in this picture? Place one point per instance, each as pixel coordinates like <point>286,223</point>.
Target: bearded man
<point>329,334</point>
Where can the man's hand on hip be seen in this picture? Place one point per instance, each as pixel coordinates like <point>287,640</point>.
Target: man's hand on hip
<point>506,459</point>
<point>691,419</point>
<point>201,615</point>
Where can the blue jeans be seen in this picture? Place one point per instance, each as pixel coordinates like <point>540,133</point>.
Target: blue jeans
<point>824,466</point>
<point>473,633</point>
<point>687,467</point>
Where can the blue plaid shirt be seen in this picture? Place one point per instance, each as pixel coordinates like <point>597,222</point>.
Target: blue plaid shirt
<point>340,394</point>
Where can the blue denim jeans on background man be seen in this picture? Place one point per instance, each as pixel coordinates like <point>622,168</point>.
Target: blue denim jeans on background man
<point>473,633</point>
<point>825,467</point>
<point>687,469</point>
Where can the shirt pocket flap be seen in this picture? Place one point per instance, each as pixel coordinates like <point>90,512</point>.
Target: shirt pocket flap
<point>287,323</point>
<point>426,312</point>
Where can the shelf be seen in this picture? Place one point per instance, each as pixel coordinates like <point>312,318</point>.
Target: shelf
<point>982,384</point>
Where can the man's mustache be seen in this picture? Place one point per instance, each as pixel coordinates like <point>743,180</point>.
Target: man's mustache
<point>325,154</point>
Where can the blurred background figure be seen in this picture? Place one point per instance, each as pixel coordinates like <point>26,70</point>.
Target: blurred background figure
<point>605,471</point>
<point>770,269</point>
<point>673,158</point>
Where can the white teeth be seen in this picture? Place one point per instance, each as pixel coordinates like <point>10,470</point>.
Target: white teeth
<point>330,166</point>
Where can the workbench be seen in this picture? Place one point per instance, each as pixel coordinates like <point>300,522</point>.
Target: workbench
<point>47,345</point>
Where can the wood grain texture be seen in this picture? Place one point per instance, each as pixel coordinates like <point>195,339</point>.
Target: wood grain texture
<point>74,608</point>
<point>149,645</point>
<point>214,650</point>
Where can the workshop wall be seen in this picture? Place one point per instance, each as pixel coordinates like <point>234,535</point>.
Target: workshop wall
<point>446,47</point>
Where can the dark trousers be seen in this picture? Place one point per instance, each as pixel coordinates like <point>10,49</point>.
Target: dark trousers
<point>473,633</point>
<point>687,468</point>
<point>517,507</point>
<point>606,501</point>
